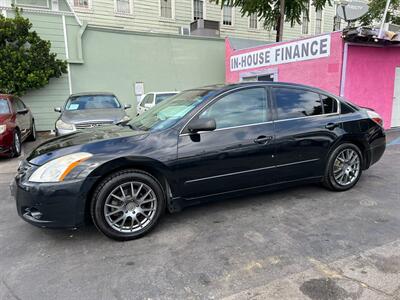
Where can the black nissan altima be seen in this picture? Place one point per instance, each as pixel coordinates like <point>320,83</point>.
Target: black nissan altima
<point>200,145</point>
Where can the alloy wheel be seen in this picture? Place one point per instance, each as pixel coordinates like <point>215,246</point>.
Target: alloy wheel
<point>130,207</point>
<point>346,167</point>
<point>17,143</point>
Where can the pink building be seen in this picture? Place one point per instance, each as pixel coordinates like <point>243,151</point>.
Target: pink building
<point>367,75</point>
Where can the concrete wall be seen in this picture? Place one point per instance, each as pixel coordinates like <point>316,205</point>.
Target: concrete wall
<point>370,77</point>
<point>115,60</point>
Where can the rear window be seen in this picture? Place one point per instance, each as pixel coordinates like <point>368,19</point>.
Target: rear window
<point>330,104</point>
<point>4,108</point>
<point>162,97</point>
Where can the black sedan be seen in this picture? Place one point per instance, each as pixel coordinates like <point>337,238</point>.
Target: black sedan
<point>201,144</point>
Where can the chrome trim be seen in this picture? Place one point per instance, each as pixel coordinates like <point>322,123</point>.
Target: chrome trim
<point>306,117</point>
<point>249,171</point>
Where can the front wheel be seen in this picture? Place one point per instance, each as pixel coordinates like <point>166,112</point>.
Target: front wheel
<point>127,204</point>
<point>32,134</point>
<point>344,167</point>
<point>16,147</point>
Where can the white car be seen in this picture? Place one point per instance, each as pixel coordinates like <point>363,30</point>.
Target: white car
<point>150,100</point>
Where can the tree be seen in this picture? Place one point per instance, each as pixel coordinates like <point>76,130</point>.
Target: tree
<point>25,59</point>
<point>275,12</point>
<point>376,10</point>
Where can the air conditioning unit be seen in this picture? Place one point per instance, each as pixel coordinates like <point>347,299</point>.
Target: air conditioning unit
<point>184,30</point>
<point>207,28</point>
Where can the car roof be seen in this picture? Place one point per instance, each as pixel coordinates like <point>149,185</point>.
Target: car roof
<point>6,96</point>
<point>92,94</point>
<point>221,88</point>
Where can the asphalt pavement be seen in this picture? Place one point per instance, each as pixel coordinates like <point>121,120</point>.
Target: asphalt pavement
<point>299,243</point>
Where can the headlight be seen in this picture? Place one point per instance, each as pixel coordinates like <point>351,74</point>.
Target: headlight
<point>56,170</point>
<point>64,126</point>
<point>2,128</point>
<point>125,119</point>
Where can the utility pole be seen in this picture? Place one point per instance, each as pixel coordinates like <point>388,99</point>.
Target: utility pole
<point>281,20</point>
<point>384,19</point>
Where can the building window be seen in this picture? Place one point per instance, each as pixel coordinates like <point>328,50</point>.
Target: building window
<point>198,9</point>
<point>253,20</point>
<point>305,23</point>
<point>318,21</point>
<point>81,3</point>
<point>31,3</point>
<point>166,9</point>
<point>227,15</point>
<point>123,7</point>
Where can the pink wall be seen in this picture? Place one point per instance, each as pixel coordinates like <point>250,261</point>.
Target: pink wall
<point>370,78</point>
<point>324,73</point>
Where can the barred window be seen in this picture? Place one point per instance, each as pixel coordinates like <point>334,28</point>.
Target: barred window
<point>198,9</point>
<point>253,19</point>
<point>166,9</point>
<point>227,15</point>
<point>81,3</point>
<point>123,6</point>
<point>304,23</point>
<point>318,21</point>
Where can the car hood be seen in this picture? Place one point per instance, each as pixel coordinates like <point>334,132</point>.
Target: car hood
<point>4,118</point>
<point>93,115</point>
<point>90,140</point>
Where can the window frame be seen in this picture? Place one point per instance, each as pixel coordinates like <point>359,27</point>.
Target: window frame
<point>232,17</point>
<point>204,10</point>
<point>268,107</point>
<point>172,11</point>
<point>119,13</point>
<point>256,23</point>
<point>82,8</point>
<point>321,22</point>
<point>275,106</point>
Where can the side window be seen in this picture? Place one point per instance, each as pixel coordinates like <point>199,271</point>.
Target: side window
<point>147,100</point>
<point>330,104</point>
<point>244,107</point>
<point>296,103</point>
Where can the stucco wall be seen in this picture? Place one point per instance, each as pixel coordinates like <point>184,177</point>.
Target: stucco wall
<point>323,73</point>
<point>115,60</point>
<point>370,78</point>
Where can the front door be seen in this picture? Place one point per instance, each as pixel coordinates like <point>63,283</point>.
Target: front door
<point>239,154</point>
<point>307,124</point>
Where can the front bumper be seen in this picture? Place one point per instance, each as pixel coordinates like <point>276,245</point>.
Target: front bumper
<point>52,205</point>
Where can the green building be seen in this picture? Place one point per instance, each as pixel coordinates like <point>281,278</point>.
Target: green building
<point>111,45</point>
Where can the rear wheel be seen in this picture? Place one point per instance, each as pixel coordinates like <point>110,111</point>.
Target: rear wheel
<point>32,135</point>
<point>16,147</point>
<point>126,205</point>
<point>344,168</point>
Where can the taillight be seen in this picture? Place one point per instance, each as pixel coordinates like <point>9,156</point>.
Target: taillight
<point>374,116</point>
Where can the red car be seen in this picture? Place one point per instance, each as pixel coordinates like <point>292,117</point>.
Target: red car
<point>16,125</point>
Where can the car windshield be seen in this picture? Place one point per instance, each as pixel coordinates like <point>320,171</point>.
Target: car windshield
<point>92,102</point>
<point>169,112</point>
<point>4,108</point>
<point>162,97</point>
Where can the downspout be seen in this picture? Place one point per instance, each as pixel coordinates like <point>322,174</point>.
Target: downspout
<point>67,53</point>
<point>344,69</point>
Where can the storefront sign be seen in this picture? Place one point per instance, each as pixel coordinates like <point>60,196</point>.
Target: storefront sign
<point>307,49</point>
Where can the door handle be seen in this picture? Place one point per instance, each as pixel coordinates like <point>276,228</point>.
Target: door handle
<point>263,139</point>
<point>331,126</point>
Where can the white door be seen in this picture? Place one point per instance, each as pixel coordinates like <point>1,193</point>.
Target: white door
<point>396,100</point>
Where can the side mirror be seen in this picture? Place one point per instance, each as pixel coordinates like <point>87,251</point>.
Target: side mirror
<point>127,106</point>
<point>57,109</point>
<point>22,111</point>
<point>203,124</point>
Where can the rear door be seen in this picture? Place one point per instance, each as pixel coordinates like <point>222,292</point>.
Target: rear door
<point>239,154</point>
<point>306,125</point>
<point>24,116</point>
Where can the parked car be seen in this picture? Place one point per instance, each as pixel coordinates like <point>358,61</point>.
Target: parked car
<point>150,100</point>
<point>89,110</point>
<point>202,144</point>
<point>16,125</point>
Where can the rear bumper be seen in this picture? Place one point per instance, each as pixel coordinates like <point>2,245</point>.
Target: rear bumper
<point>376,150</point>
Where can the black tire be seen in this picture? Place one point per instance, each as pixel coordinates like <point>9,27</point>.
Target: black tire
<point>329,180</point>
<point>32,135</point>
<point>105,188</point>
<point>16,147</point>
